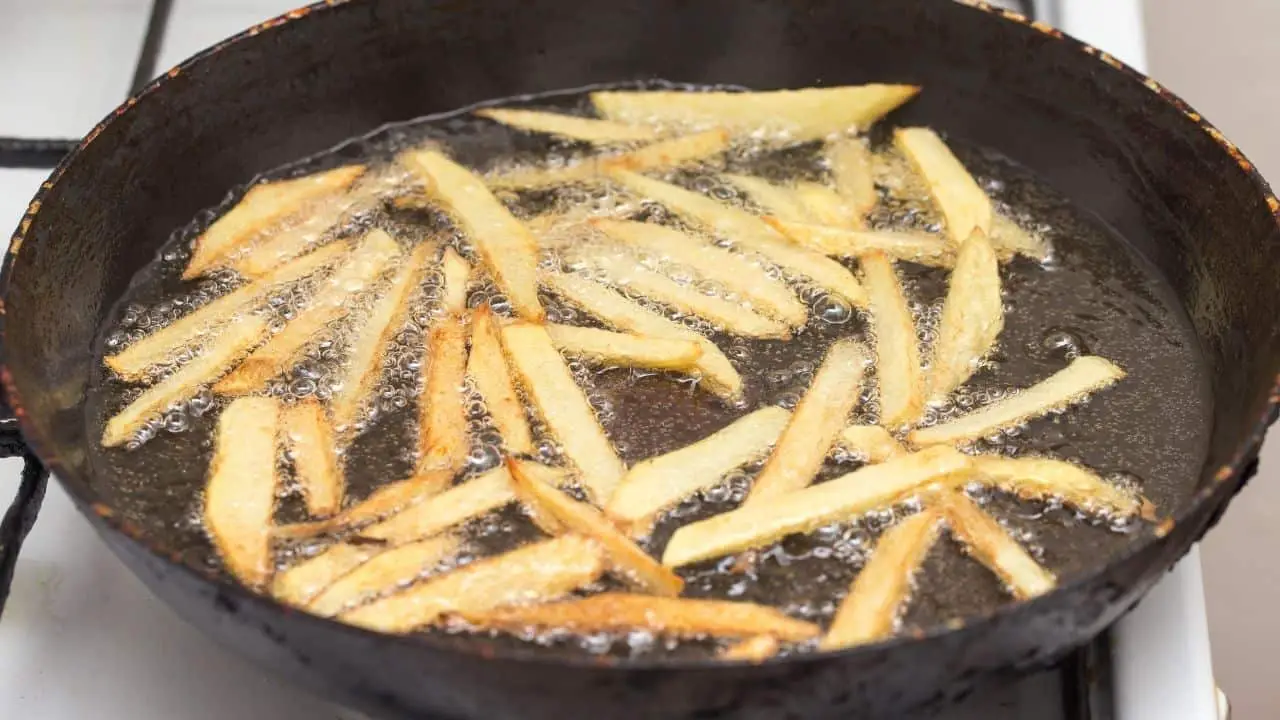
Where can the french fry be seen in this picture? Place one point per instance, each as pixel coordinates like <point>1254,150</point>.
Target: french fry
<point>735,272</point>
<point>1069,385</point>
<point>624,557</point>
<point>384,572</point>
<point>897,355</point>
<point>442,423</point>
<point>747,232</point>
<point>570,126</point>
<point>331,301</point>
<point>754,649</point>
<point>804,510</point>
<point>539,572</point>
<point>297,585</point>
<point>849,161</point>
<point>488,370</point>
<point>625,348</point>
<point>872,442</point>
<point>794,115</point>
<point>816,423</point>
<point>826,206</point>
<point>992,546</point>
<point>240,497</point>
<point>962,201</point>
<point>671,153</point>
<point>309,436</point>
<point>563,406</point>
<point>465,501</point>
<point>262,207</point>
<point>1008,240</point>
<point>658,483</point>
<point>773,199</point>
<point>1035,478</point>
<point>508,250</point>
<point>882,587</point>
<point>159,347</point>
<point>235,341</point>
<point>972,317</point>
<point>457,273</point>
<point>674,617</point>
<point>718,374</point>
<point>383,502</point>
<point>909,246</point>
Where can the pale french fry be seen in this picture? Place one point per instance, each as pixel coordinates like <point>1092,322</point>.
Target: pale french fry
<point>457,273</point>
<point>387,571</point>
<point>460,503</point>
<point>849,161</point>
<point>883,585</point>
<point>897,355</point>
<point>331,301</point>
<point>297,585</point>
<point>826,206</point>
<point>1008,240</point>
<point>160,347</point>
<point>900,245</point>
<point>549,384</point>
<point>664,154</point>
<point>488,370</point>
<point>624,557</point>
<point>308,435</point>
<point>792,115</point>
<point>442,418</point>
<point>570,126</point>
<point>262,207</point>
<point>1036,478</point>
<point>747,232</point>
<point>972,317</point>
<point>816,423</point>
<point>962,201</point>
<point>626,349</point>
<point>1083,376</point>
<point>754,649</point>
<point>236,341</point>
<point>383,502</point>
<point>508,250</point>
<point>539,572</point>
<point>658,483</point>
<point>773,199</point>
<point>992,546</point>
<point>872,442</point>
<point>240,497</point>
<point>848,496</point>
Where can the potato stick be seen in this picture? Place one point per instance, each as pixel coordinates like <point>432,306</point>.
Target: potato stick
<point>240,498</point>
<point>563,406</point>
<point>1008,240</point>
<point>457,273</point>
<point>675,617</point>
<point>508,250</point>
<point>308,435</point>
<point>897,354</point>
<point>747,232</point>
<point>236,340</point>
<point>754,649</point>
<point>331,301</point>
<point>442,412</point>
<point>972,317</point>
<point>849,161</point>
<point>467,500</point>
<point>718,374</point>
<point>795,115</point>
<point>735,272</point>
<point>159,347</point>
<point>383,502</point>
<point>804,510</point>
<point>387,571</point>
<point>624,557</point>
<point>488,370</point>
<point>962,201</point>
<point>367,349</point>
<point>1065,387</point>
<point>570,126</point>
<point>816,423</point>
<point>262,207</point>
<point>883,585</point>
<point>534,573</point>
<point>626,349</point>
<point>899,245</point>
<point>1039,478</point>
<point>670,153</point>
<point>297,585</point>
<point>773,199</point>
<point>872,442</point>
<point>992,546</point>
<point>826,207</point>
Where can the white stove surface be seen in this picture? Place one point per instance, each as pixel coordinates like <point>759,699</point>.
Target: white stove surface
<point>81,637</point>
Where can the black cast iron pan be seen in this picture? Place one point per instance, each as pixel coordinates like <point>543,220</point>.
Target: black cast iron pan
<point>1114,143</point>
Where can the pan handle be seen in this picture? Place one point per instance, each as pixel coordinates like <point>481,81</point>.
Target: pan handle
<point>21,515</point>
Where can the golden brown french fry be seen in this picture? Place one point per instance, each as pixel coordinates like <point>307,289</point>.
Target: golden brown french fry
<point>627,349</point>
<point>240,497</point>
<point>563,406</point>
<point>793,115</point>
<point>1069,385</point>
<point>442,419</point>
<point>457,273</point>
<point>460,503</point>
<point>962,201</point>
<point>1008,240</point>
<point>897,354</point>
<point>773,199</point>
<point>882,587</point>
<point>972,317</point>
<point>1037,478</point>
<point>262,207</point>
<point>849,161</point>
<point>804,510</point>
<point>754,649</point>
<point>826,206</point>
<point>488,370</point>
<point>573,127</point>
<point>625,558</point>
<point>816,423</point>
<point>331,301</point>
<point>308,435</point>
<point>899,245</point>
<point>383,502</point>
<point>385,572</point>
<point>872,442</point>
<point>539,572</point>
<point>235,341</point>
<point>508,250</point>
<point>297,585</point>
<point>992,546</point>
<point>671,153</point>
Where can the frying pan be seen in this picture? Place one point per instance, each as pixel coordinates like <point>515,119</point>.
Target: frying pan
<point>1113,142</point>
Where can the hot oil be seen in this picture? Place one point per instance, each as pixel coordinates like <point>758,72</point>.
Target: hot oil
<point>1093,296</point>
